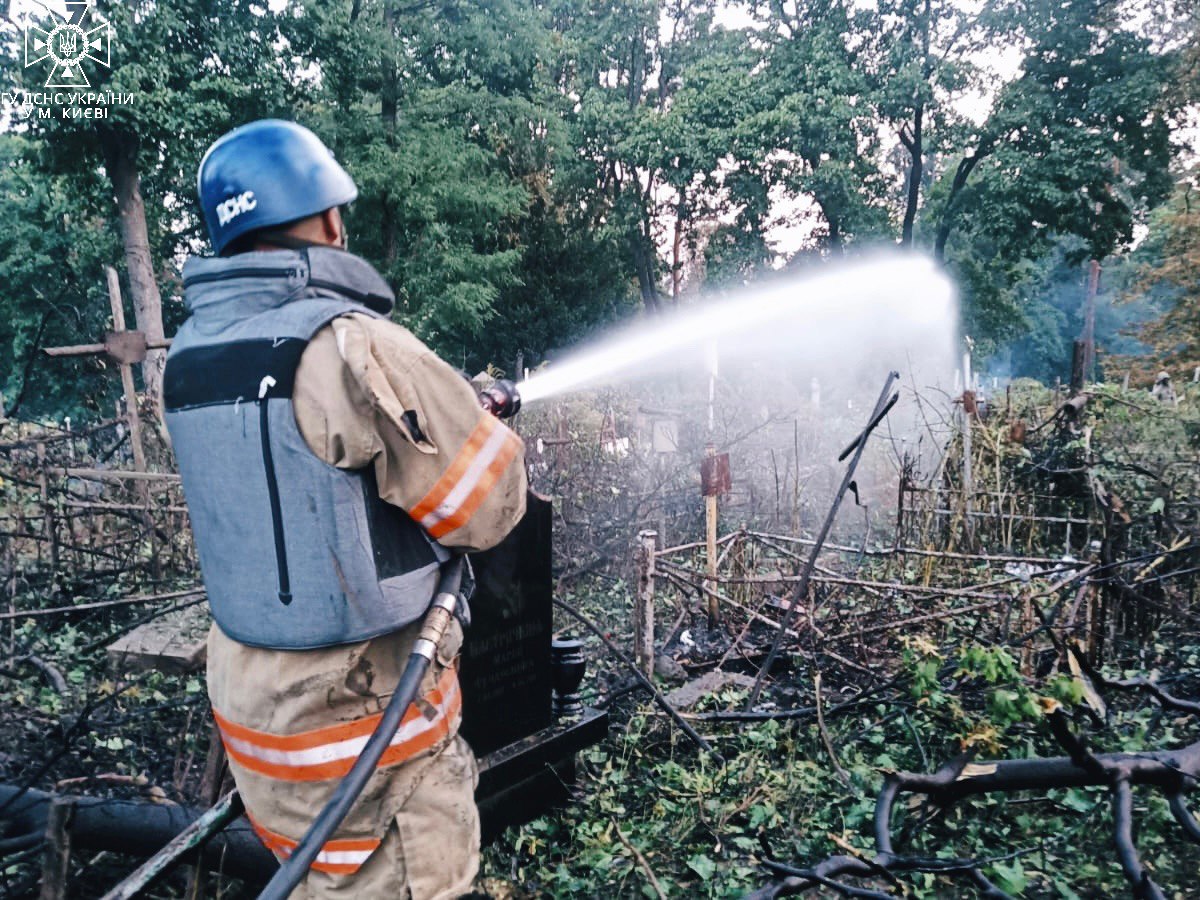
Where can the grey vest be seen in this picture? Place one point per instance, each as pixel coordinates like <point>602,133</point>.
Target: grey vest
<point>295,553</point>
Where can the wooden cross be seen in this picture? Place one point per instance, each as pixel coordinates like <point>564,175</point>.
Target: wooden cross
<point>125,348</point>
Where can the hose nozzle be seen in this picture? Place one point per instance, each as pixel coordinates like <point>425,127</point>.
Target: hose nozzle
<point>501,399</point>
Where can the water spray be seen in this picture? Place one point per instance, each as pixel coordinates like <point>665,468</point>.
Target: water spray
<point>880,312</point>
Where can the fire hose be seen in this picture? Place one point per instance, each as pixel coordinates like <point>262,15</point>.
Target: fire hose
<point>295,867</point>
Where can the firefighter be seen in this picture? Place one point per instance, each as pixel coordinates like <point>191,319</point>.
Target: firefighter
<point>330,463</point>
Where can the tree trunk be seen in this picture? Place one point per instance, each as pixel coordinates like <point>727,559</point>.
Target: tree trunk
<point>389,113</point>
<point>836,242</point>
<point>915,171</point>
<point>965,167</point>
<point>643,263</point>
<point>915,142</point>
<point>136,828</point>
<point>829,209</point>
<point>644,253</point>
<point>676,258</point>
<point>31,358</point>
<point>120,160</point>
<point>1088,337</point>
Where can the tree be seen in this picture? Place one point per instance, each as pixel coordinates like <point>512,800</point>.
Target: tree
<point>524,168</point>
<point>52,248</point>
<point>611,54</point>
<point>815,133</point>
<point>194,68</point>
<point>444,128</point>
<point>1169,270</point>
<point>1031,311</point>
<point>1075,151</point>
<point>918,52</point>
<point>1078,144</point>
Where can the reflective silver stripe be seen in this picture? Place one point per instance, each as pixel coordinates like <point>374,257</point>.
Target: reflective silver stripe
<point>336,857</point>
<point>343,857</point>
<point>349,748</point>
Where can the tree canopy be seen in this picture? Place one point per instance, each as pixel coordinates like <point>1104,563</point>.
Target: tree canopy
<point>529,172</point>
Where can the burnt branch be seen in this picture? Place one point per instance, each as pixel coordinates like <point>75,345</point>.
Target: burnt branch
<point>1140,683</point>
<point>645,682</point>
<point>1075,746</point>
<point>1171,771</point>
<point>1183,815</point>
<point>1122,801</point>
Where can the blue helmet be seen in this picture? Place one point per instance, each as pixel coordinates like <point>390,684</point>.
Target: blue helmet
<point>267,173</point>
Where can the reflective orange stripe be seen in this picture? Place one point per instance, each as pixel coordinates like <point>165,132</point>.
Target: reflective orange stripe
<point>484,487</point>
<point>303,740</point>
<point>336,857</point>
<point>468,480</point>
<point>327,753</point>
<point>427,504</point>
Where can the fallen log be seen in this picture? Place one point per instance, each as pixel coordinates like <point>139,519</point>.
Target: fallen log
<point>196,835</point>
<point>1172,771</point>
<point>131,827</point>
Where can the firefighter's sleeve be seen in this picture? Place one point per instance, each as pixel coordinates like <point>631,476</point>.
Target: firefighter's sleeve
<point>367,392</point>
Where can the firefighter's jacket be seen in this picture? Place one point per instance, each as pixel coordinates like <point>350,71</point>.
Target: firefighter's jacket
<point>302,419</point>
<point>298,553</point>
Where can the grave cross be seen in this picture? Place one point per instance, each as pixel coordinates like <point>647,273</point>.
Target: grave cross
<point>125,348</point>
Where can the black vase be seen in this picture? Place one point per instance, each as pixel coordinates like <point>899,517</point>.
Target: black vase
<point>567,667</point>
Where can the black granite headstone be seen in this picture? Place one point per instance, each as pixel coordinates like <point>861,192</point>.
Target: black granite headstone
<point>505,675</point>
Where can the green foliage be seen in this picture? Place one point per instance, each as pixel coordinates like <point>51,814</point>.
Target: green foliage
<point>1168,271</point>
<point>51,253</point>
<point>1031,314</point>
<point>195,69</point>
<point>712,819</point>
<point>702,829</point>
<point>1080,140</point>
<point>449,122</point>
<point>438,136</point>
<point>1073,153</point>
<point>530,172</point>
<point>815,132</point>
